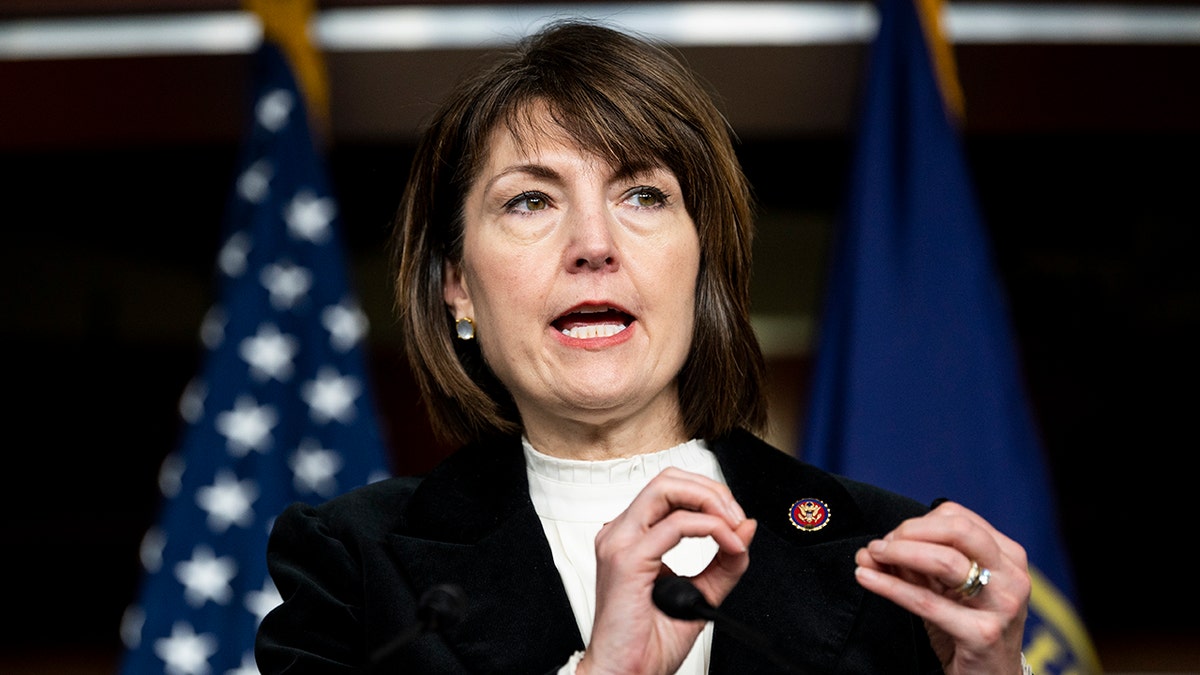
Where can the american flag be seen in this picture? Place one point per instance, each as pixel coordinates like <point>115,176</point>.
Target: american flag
<point>281,410</point>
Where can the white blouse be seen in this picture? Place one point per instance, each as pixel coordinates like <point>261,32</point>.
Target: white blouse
<point>574,498</point>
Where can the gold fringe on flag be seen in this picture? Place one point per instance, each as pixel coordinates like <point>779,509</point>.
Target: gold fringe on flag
<point>942,56</point>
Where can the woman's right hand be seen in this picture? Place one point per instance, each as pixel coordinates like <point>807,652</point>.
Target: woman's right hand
<point>630,635</point>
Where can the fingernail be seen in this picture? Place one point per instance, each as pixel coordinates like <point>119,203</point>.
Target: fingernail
<point>735,511</point>
<point>877,546</point>
<point>864,573</point>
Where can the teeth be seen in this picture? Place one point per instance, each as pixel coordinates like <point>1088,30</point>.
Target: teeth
<point>589,332</point>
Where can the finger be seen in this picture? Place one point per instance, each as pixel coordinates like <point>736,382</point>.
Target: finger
<point>937,550</point>
<point>946,570</point>
<point>727,567</point>
<point>941,568</point>
<point>674,489</point>
<point>642,554</point>
<point>666,533</point>
<point>731,559</point>
<point>960,622</point>
<point>959,531</point>
<point>944,544</point>
<point>969,626</point>
<point>1009,546</point>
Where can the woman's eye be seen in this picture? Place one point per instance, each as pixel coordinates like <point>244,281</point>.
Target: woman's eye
<point>527,201</point>
<point>646,197</point>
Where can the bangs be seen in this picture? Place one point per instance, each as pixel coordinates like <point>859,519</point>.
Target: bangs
<point>595,125</point>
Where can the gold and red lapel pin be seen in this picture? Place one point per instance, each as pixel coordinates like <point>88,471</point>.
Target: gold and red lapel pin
<point>809,515</point>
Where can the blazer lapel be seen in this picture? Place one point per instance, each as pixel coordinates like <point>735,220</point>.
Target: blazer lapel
<point>471,523</point>
<point>799,590</point>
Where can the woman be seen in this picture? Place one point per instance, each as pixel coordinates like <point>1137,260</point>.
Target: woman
<point>573,255</point>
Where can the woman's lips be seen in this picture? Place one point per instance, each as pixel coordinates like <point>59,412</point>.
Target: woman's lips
<point>591,322</point>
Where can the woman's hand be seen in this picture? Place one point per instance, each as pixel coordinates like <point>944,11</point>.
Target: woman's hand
<point>630,635</point>
<point>924,564</point>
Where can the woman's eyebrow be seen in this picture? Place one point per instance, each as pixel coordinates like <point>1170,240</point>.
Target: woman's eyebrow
<point>640,171</point>
<point>534,170</point>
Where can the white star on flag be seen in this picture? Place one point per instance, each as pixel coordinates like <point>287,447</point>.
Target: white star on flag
<point>151,550</point>
<point>346,325</point>
<point>170,475</point>
<point>228,501</point>
<point>132,621</point>
<point>308,216</point>
<point>269,353</point>
<point>247,427</point>
<point>287,283</point>
<point>255,182</point>
<point>191,403</point>
<point>185,652</point>
<point>314,468</point>
<point>232,257</point>
<point>263,601</point>
<point>330,396</point>
<point>274,108</point>
<point>206,577</point>
<point>212,328</point>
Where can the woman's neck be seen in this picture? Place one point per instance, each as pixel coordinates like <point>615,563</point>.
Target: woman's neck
<point>608,439</point>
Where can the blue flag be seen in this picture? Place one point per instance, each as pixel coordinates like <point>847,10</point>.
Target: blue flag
<point>281,411</point>
<point>918,385</point>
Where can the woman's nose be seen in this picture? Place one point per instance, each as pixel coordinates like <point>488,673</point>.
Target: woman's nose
<point>592,244</point>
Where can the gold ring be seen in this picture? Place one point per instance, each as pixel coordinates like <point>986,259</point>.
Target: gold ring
<point>977,578</point>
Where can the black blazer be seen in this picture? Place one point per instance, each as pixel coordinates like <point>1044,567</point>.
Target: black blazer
<point>351,570</point>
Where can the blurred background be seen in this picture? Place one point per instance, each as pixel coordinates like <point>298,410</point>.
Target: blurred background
<point>116,164</point>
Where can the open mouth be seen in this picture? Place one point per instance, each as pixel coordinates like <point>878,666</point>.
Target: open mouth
<point>586,323</point>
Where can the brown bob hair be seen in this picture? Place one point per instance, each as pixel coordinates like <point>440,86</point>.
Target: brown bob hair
<point>635,103</point>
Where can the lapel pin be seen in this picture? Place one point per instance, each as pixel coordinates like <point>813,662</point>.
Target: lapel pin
<point>809,514</point>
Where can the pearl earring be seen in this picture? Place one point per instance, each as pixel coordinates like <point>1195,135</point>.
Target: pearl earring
<point>465,328</point>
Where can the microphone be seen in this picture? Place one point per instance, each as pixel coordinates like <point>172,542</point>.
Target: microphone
<point>678,598</point>
<point>440,608</point>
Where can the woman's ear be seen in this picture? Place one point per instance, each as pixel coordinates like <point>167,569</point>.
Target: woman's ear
<point>455,292</point>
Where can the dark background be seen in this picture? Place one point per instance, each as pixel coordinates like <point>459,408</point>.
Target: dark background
<point>114,175</point>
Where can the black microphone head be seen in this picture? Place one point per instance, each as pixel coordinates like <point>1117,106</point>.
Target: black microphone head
<point>441,607</point>
<point>679,599</point>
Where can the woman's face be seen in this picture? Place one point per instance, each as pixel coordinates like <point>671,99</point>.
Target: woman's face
<point>580,279</point>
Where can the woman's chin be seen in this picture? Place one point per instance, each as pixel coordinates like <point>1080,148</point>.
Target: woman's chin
<point>603,403</point>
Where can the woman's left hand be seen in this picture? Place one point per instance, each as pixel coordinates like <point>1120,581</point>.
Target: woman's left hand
<point>925,564</point>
